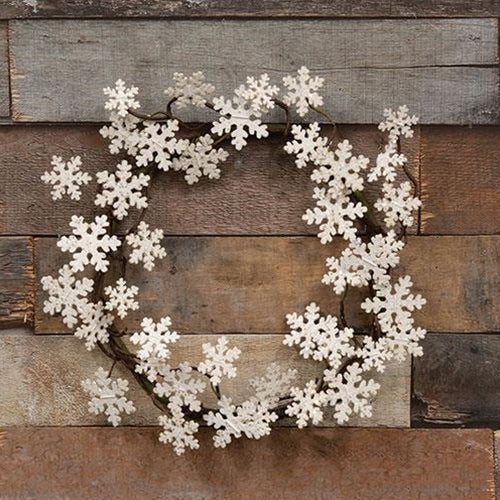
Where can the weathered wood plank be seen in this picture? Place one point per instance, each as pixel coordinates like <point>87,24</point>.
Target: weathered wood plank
<point>430,70</point>
<point>497,464</point>
<point>361,464</point>
<point>260,190</point>
<point>256,8</point>
<point>457,381</point>
<point>17,282</point>
<point>248,285</point>
<point>4,71</point>
<point>40,380</point>
<point>460,180</point>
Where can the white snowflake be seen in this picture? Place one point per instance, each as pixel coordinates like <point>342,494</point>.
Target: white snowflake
<point>239,120</point>
<point>252,418</point>
<point>307,144</point>
<point>108,396</point>
<point>340,169</point>
<point>374,353</point>
<point>387,163</point>
<point>259,93</point>
<point>398,203</point>
<point>307,404</point>
<point>121,99</point>
<point>393,305</point>
<point>122,190</point>
<point>89,243</point>
<point>302,91</point>
<point>334,213</point>
<point>398,123</point>
<point>157,143</point>
<point>219,360</point>
<point>66,178</point>
<point>180,386</point>
<point>348,393</point>
<point>122,133</point>
<point>190,89</point>
<point>274,385</point>
<point>66,295</point>
<point>154,339</point>
<point>146,246</point>
<point>95,323</point>
<point>402,341</point>
<point>361,262</point>
<point>200,158</point>
<point>179,432</point>
<point>121,298</point>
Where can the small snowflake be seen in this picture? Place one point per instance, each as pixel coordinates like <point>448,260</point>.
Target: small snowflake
<point>157,143</point>
<point>122,190</point>
<point>121,99</point>
<point>154,339</point>
<point>178,432</point>
<point>361,262</point>
<point>108,396</point>
<point>190,89</point>
<point>398,204</point>
<point>146,246</point>
<point>374,354</point>
<point>89,243</point>
<point>122,133</point>
<point>121,298</point>
<point>66,295</point>
<point>95,324</point>
<point>402,341</point>
<point>334,213</point>
<point>307,404</point>
<point>259,93</point>
<point>219,360</point>
<point>302,91</point>
<point>66,178</point>
<point>200,158</point>
<point>398,123</point>
<point>393,305</point>
<point>274,385</point>
<point>387,163</point>
<point>238,120</point>
<point>348,393</point>
<point>307,145</point>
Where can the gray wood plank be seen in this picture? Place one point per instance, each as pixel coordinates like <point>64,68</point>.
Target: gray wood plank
<point>40,379</point>
<point>445,70</point>
<point>4,71</point>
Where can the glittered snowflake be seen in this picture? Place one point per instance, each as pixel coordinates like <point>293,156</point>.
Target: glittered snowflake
<point>154,339</point>
<point>122,133</point>
<point>108,396</point>
<point>398,204</point>
<point>405,340</point>
<point>121,99</point>
<point>387,164</point>
<point>179,432</point>
<point>307,405</point>
<point>398,123</point>
<point>66,178</point>
<point>190,89</point>
<point>374,353</point>
<point>307,144</point>
<point>89,243</point>
<point>146,246</point>
<point>302,91</point>
<point>95,321</point>
<point>259,93</point>
<point>121,298</point>
<point>274,385</point>
<point>219,360</point>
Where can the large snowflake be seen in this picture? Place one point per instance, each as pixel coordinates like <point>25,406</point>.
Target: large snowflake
<point>398,204</point>
<point>89,243</point>
<point>66,295</point>
<point>66,178</point>
<point>121,298</point>
<point>307,404</point>
<point>146,246</point>
<point>259,93</point>
<point>238,120</point>
<point>179,432</point>
<point>307,144</point>
<point>219,360</point>
<point>122,190</point>
<point>154,339</point>
<point>95,323</point>
<point>302,91</point>
<point>108,396</point>
<point>122,133</point>
<point>121,99</point>
<point>335,214</point>
<point>190,89</point>
<point>398,123</point>
<point>200,158</point>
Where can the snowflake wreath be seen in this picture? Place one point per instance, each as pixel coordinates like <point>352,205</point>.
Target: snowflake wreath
<point>161,142</point>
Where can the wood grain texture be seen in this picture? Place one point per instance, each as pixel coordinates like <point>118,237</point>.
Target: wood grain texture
<point>40,380</point>
<point>260,190</point>
<point>457,381</point>
<point>444,70</point>
<point>17,282</point>
<point>4,71</point>
<point>324,464</point>
<point>460,180</point>
<point>248,285</point>
<point>11,9</point>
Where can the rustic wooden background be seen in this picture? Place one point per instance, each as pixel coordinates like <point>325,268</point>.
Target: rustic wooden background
<point>239,256</point>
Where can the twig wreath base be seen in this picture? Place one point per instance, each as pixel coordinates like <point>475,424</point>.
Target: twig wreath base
<point>156,144</point>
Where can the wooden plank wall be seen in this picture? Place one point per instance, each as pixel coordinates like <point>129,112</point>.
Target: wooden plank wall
<point>239,256</point>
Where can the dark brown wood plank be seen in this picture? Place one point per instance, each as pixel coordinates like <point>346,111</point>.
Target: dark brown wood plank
<point>389,464</point>
<point>4,71</point>
<point>17,282</point>
<point>460,179</point>
<point>457,381</point>
<point>12,9</point>
<point>444,70</point>
<point>260,190</point>
<point>248,285</point>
